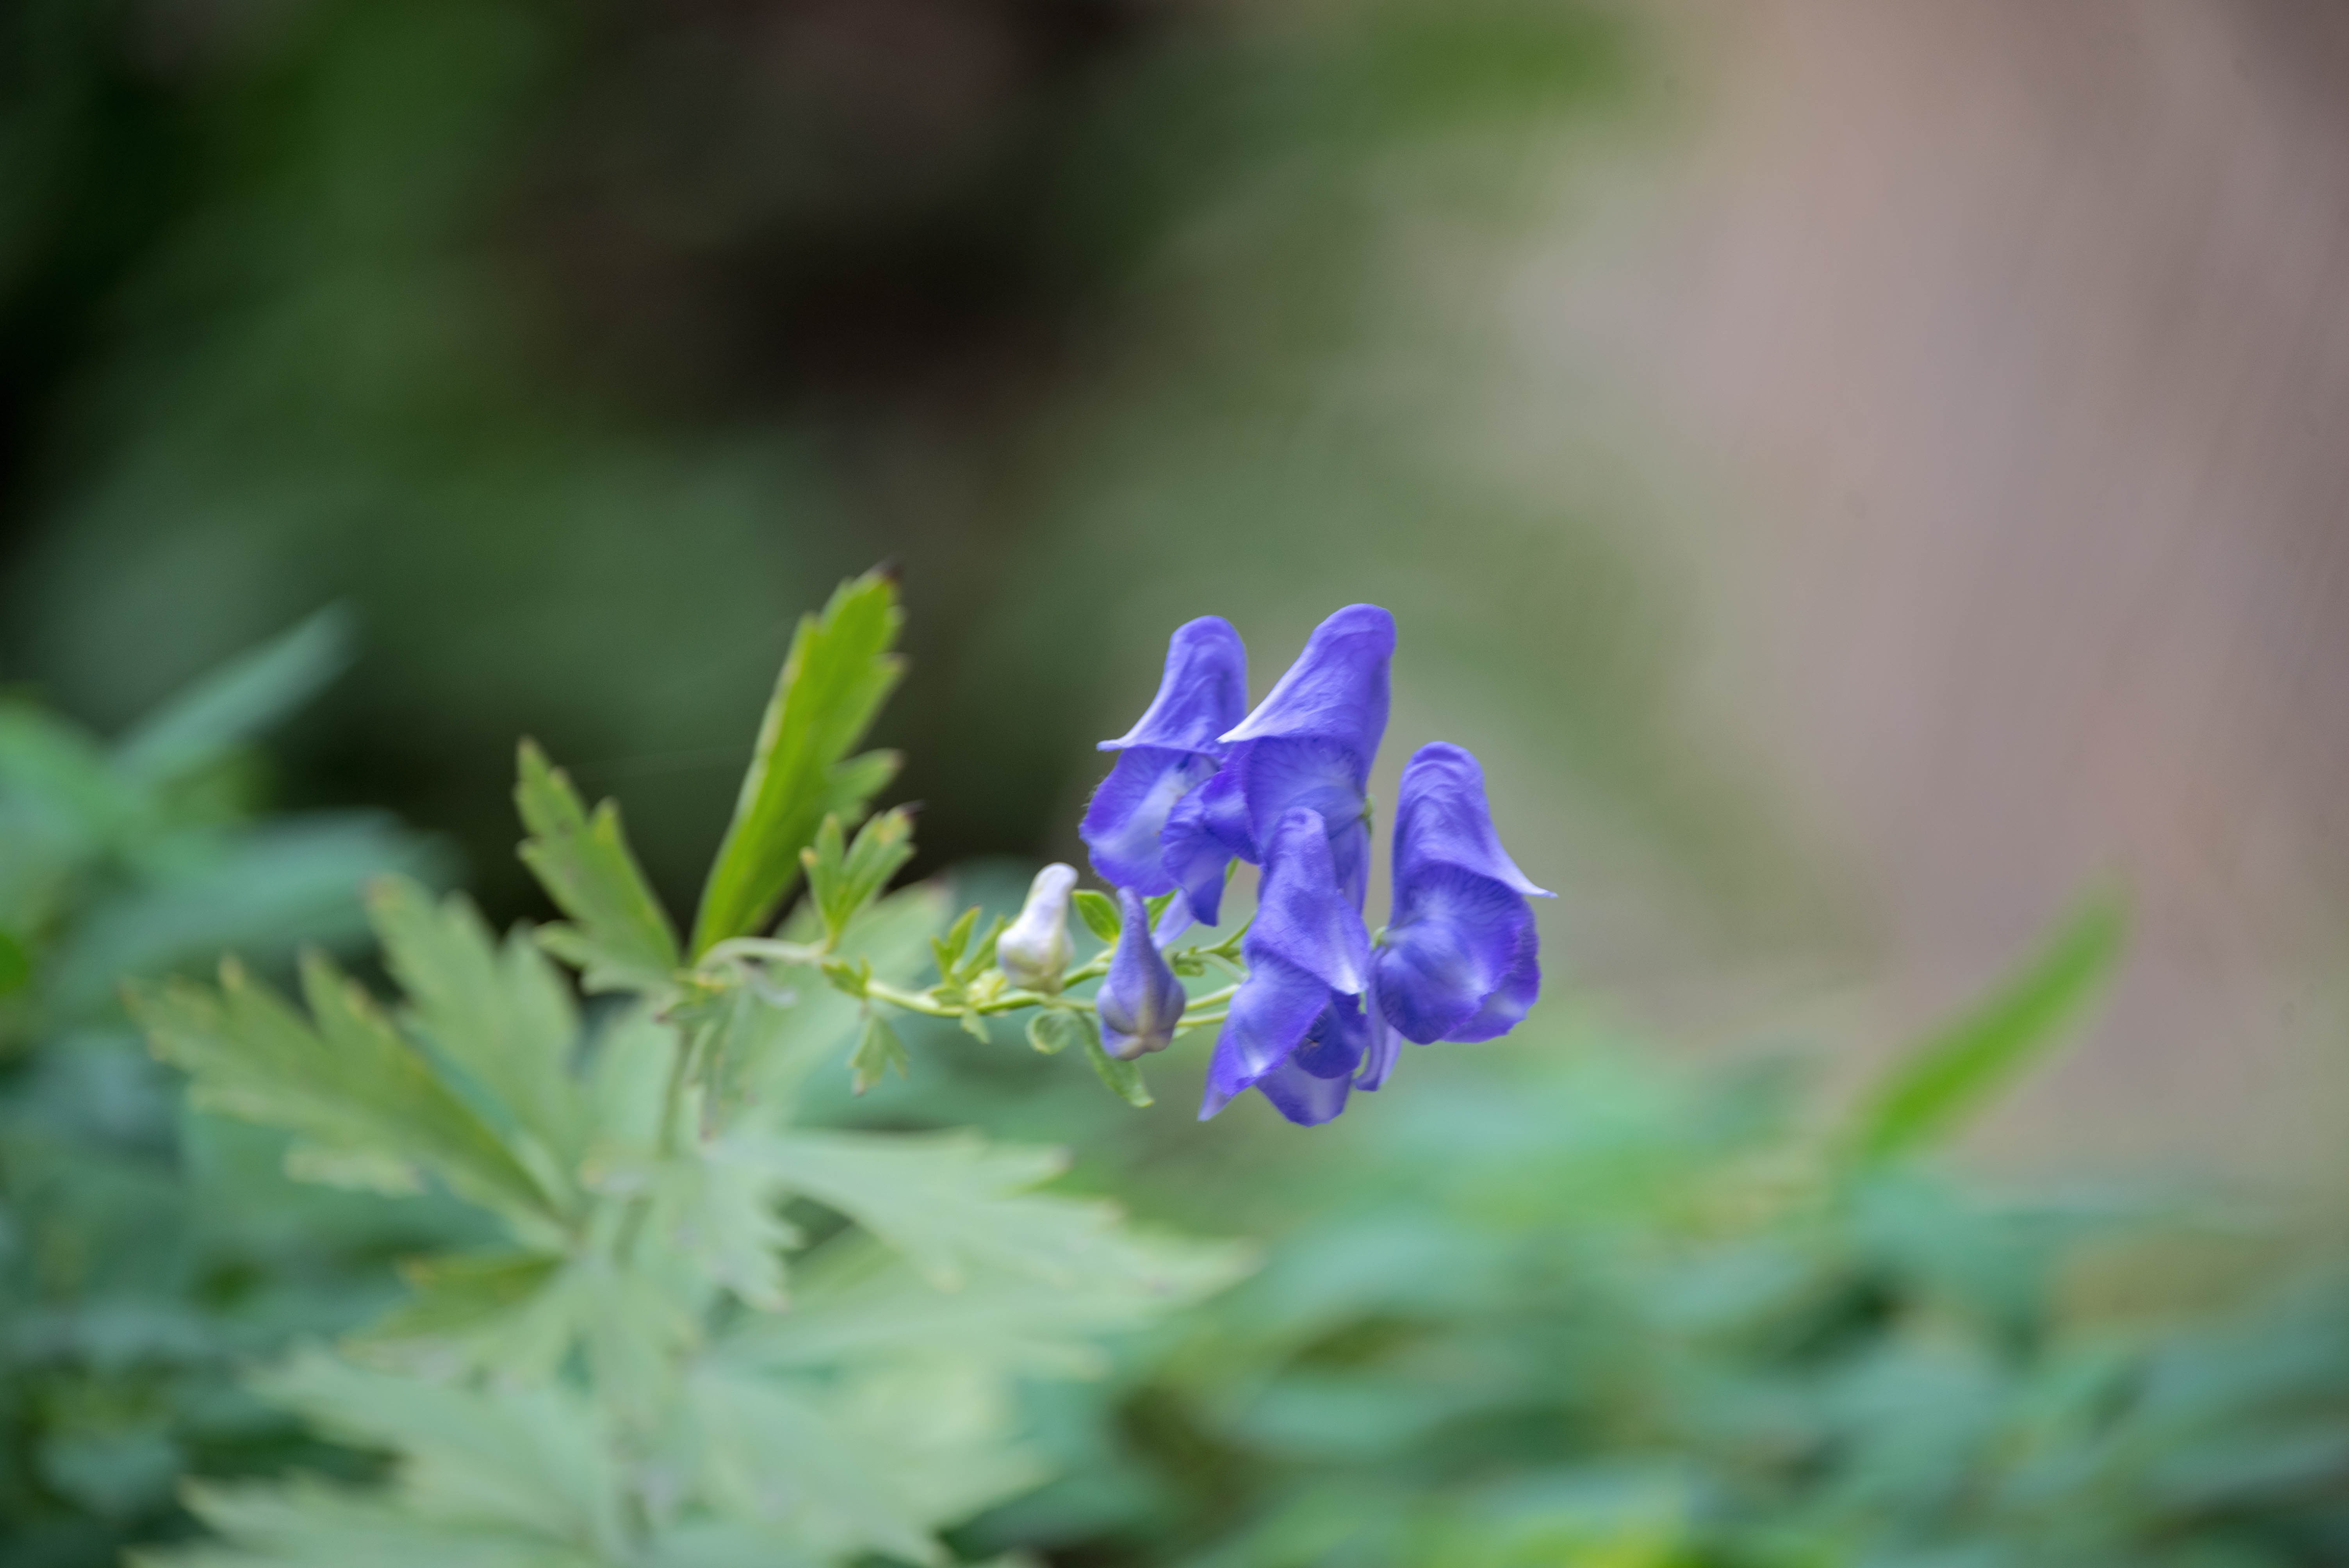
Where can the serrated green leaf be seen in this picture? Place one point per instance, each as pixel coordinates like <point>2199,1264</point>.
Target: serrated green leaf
<point>1123,1077</point>
<point>240,699</point>
<point>1956,1069</point>
<point>506,1312</point>
<point>839,671</point>
<point>878,1049</point>
<point>948,949</point>
<point>860,1301</point>
<point>774,1455</point>
<point>1052,1031</point>
<point>499,1012</point>
<point>306,1523</point>
<point>537,1460</point>
<point>1099,913</point>
<point>365,1102</point>
<point>947,1201</point>
<point>620,938</point>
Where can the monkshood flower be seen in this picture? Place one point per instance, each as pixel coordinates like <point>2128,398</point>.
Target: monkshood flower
<point>1296,1030</point>
<point>1177,746</point>
<point>1034,950</point>
<point>1460,958</point>
<point>1140,1001</point>
<point>1309,743</point>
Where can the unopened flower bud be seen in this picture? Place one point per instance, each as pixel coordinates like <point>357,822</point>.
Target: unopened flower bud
<point>1141,1002</point>
<point>1034,950</point>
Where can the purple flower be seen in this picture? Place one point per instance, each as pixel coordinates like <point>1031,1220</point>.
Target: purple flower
<point>1297,1030</point>
<point>1309,743</point>
<point>1460,958</point>
<point>1140,1001</point>
<point>1177,745</point>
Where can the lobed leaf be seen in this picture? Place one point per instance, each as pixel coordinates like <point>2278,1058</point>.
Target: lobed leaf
<point>620,938</point>
<point>365,1104</point>
<point>500,1012</point>
<point>948,1201</point>
<point>839,671</point>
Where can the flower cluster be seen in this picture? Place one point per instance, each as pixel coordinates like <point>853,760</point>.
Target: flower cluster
<point>1201,782</point>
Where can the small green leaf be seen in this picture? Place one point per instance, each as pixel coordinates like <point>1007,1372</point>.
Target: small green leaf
<point>974,1025</point>
<point>620,937</point>
<point>1157,907</point>
<point>948,949</point>
<point>878,1049</point>
<point>1052,1030</point>
<point>841,883</point>
<point>838,672</point>
<point>15,966</point>
<point>1123,1077</point>
<point>1098,912</point>
<point>1957,1069</point>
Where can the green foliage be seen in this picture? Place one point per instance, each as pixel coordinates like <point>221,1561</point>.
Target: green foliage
<point>838,672</point>
<point>1977,1055</point>
<point>1569,1304</point>
<point>145,1253</point>
<point>624,1378</point>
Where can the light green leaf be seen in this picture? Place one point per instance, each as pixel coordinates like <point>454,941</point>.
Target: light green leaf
<point>773,1454</point>
<point>1051,1030</point>
<point>240,699</point>
<point>949,1202</point>
<point>508,1312</point>
<point>1938,1083</point>
<point>619,938</point>
<point>1099,913</point>
<point>1123,1077</point>
<point>537,1460</point>
<point>307,1523</point>
<point>502,1013</point>
<point>838,672</point>
<point>366,1104</point>
<point>858,1301</point>
<point>878,1049</point>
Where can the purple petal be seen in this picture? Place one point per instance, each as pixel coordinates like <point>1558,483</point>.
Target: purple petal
<point>1128,813</point>
<point>1307,1100</point>
<point>1337,689</point>
<point>1442,818</point>
<point>1275,1009</point>
<point>1140,1001</point>
<point>1456,936</point>
<point>1206,828</point>
<point>1506,1007</point>
<point>1303,919</point>
<point>1277,776</point>
<point>1385,1044</point>
<point>1202,694</point>
<point>1333,1047</point>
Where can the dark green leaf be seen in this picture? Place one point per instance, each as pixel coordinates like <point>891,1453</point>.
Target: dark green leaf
<point>15,966</point>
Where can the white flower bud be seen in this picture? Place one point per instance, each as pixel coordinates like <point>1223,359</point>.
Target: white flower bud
<point>1034,951</point>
